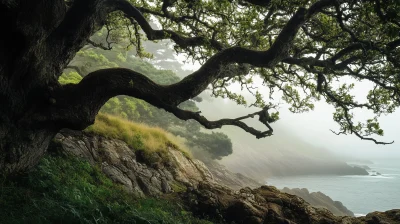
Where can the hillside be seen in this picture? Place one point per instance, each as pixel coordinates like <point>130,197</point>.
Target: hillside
<point>90,177</point>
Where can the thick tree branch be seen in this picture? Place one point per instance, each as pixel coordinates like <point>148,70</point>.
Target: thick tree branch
<point>81,21</point>
<point>195,83</point>
<point>95,89</point>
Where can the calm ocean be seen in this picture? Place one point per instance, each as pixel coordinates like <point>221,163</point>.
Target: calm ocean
<point>360,194</point>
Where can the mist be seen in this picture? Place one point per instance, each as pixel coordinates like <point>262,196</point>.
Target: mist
<point>313,127</point>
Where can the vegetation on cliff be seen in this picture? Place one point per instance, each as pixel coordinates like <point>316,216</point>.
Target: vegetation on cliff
<point>141,137</point>
<point>64,189</point>
<point>301,51</point>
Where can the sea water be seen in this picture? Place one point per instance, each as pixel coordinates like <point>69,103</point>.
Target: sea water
<point>360,194</point>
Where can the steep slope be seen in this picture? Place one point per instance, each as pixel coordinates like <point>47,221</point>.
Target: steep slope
<point>127,166</point>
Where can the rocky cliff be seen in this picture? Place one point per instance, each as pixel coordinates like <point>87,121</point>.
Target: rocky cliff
<point>192,182</point>
<point>127,167</point>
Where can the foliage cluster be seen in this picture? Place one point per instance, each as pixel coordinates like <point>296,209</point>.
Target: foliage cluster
<point>68,190</point>
<point>345,53</point>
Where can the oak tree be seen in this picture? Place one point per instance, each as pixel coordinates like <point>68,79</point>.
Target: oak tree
<point>305,50</point>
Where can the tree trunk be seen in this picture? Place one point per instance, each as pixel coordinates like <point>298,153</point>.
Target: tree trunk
<point>25,131</point>
<point>37,42</point>
<point>22,149</point>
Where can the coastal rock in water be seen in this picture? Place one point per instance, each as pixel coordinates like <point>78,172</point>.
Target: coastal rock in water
<point>365,167</point>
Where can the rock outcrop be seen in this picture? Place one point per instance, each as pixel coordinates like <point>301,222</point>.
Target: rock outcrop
<point>125,166</point>
<point>223,176</point>
<point>269,205</point>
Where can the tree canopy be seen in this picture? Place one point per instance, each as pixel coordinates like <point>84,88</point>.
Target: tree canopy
<point>302,51</point>
<point>299,50</point>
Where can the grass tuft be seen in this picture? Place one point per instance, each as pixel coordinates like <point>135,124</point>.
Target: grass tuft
<point>149,140</point>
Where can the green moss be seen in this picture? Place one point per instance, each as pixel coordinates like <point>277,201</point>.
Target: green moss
<point>178,187</point>
<point>69,190</point>
<point>70,78</point>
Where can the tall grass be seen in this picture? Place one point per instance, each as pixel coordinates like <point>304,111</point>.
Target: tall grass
<point>141,137</point>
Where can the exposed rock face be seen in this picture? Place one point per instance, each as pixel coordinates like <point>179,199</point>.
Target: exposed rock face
<point>320,200</point>
<point>232,180</point>
<point>237,181</point>
<point>269,205</point>
<point>122,165</point>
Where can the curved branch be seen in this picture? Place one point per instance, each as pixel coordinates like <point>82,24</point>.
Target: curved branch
<point>96,88</point>
<point>99,45</point>
<point>186,115</point>
<point>133,13</point>
<point>88,96</point>
<point>195,83</point>
<point>351,128</point>
<point>364,138</point>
